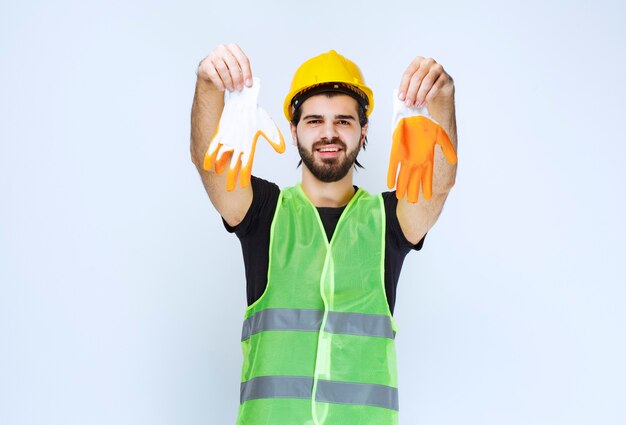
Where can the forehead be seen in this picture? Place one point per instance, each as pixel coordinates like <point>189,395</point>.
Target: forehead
<point>337,104</point>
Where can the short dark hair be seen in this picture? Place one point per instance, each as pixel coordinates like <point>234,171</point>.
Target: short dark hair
<point>297,114</point>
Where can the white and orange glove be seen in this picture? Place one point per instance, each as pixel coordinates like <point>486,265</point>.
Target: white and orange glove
<point>414,135</point>
<point>243,121</point>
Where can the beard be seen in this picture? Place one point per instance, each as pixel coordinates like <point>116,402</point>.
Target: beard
<point>328,170</point>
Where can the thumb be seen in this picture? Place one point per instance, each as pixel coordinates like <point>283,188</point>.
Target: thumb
<point>270,131</point>
<point>446,146</point>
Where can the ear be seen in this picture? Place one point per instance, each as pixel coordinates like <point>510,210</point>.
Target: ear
<point>293,134</point>
<point>363,134</point>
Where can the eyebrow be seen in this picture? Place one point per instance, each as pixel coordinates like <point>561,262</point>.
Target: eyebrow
<point>337,117</point>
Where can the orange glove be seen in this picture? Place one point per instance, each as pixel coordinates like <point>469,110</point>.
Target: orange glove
<point>414,135</point>
<point>242,122</point>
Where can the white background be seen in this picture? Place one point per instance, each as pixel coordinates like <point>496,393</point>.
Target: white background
<point>122,296</point>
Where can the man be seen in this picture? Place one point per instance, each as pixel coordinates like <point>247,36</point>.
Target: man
<point>322,258</point>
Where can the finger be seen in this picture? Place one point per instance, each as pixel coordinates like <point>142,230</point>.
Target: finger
<point>215,146</point>
<point>216,141</point>
<point>224,73</point>
<point>227,67</point>
<point>427,180</point>
<point>428,83</point>
<point>247,154</point>
<point>413,190</point>
<point>246,171</point>
<point>209,158</point>
<point>223,150</point>
<point>392,171</point>
<point>403,181</point>
<point>207,71</point>
<point>234,68</point>
<point>406,77</point>
<point>233,171</point>
<point>416,81</point>
<point>222,162</point>
<point>446,146</point>
<point>244,63</point>
<point>395,155</point>
<point>436,88</point>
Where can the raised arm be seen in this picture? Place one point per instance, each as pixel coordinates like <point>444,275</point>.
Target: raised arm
<point>426,83</point>
<point>225,68</point>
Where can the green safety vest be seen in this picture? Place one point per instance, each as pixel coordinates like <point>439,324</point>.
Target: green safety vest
<point>318,345</point>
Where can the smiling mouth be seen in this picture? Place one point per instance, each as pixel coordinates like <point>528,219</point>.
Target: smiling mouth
<point>329,149</point>
<point>329,153</point>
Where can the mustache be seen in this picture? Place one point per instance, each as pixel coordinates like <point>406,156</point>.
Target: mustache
<point>333,141</point>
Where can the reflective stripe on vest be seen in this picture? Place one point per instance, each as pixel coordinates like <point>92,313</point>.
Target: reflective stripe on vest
<point>284,319</point>
<point>327,391</point>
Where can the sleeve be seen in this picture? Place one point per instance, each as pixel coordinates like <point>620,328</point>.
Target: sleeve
<point>264,197</point>
<point>395,233</point>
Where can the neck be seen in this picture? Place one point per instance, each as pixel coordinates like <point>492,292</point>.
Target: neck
<point>321,194</point>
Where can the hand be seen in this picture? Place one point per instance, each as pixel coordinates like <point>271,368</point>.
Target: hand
<point>423,80</point>
<point>414,131</point>
<point>227,67</point>
<point>243,121</point>
<point>414,135</point>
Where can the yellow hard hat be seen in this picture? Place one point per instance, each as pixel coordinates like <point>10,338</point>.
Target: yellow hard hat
<point>326,68</point>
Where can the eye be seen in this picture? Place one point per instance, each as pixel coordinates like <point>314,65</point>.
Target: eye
<point>344,122</point>
<point>314,121</point>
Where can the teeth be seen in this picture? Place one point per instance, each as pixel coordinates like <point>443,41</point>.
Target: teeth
<point>329,150</point>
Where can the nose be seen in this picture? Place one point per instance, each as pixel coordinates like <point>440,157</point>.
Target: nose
<point>329,131</point>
